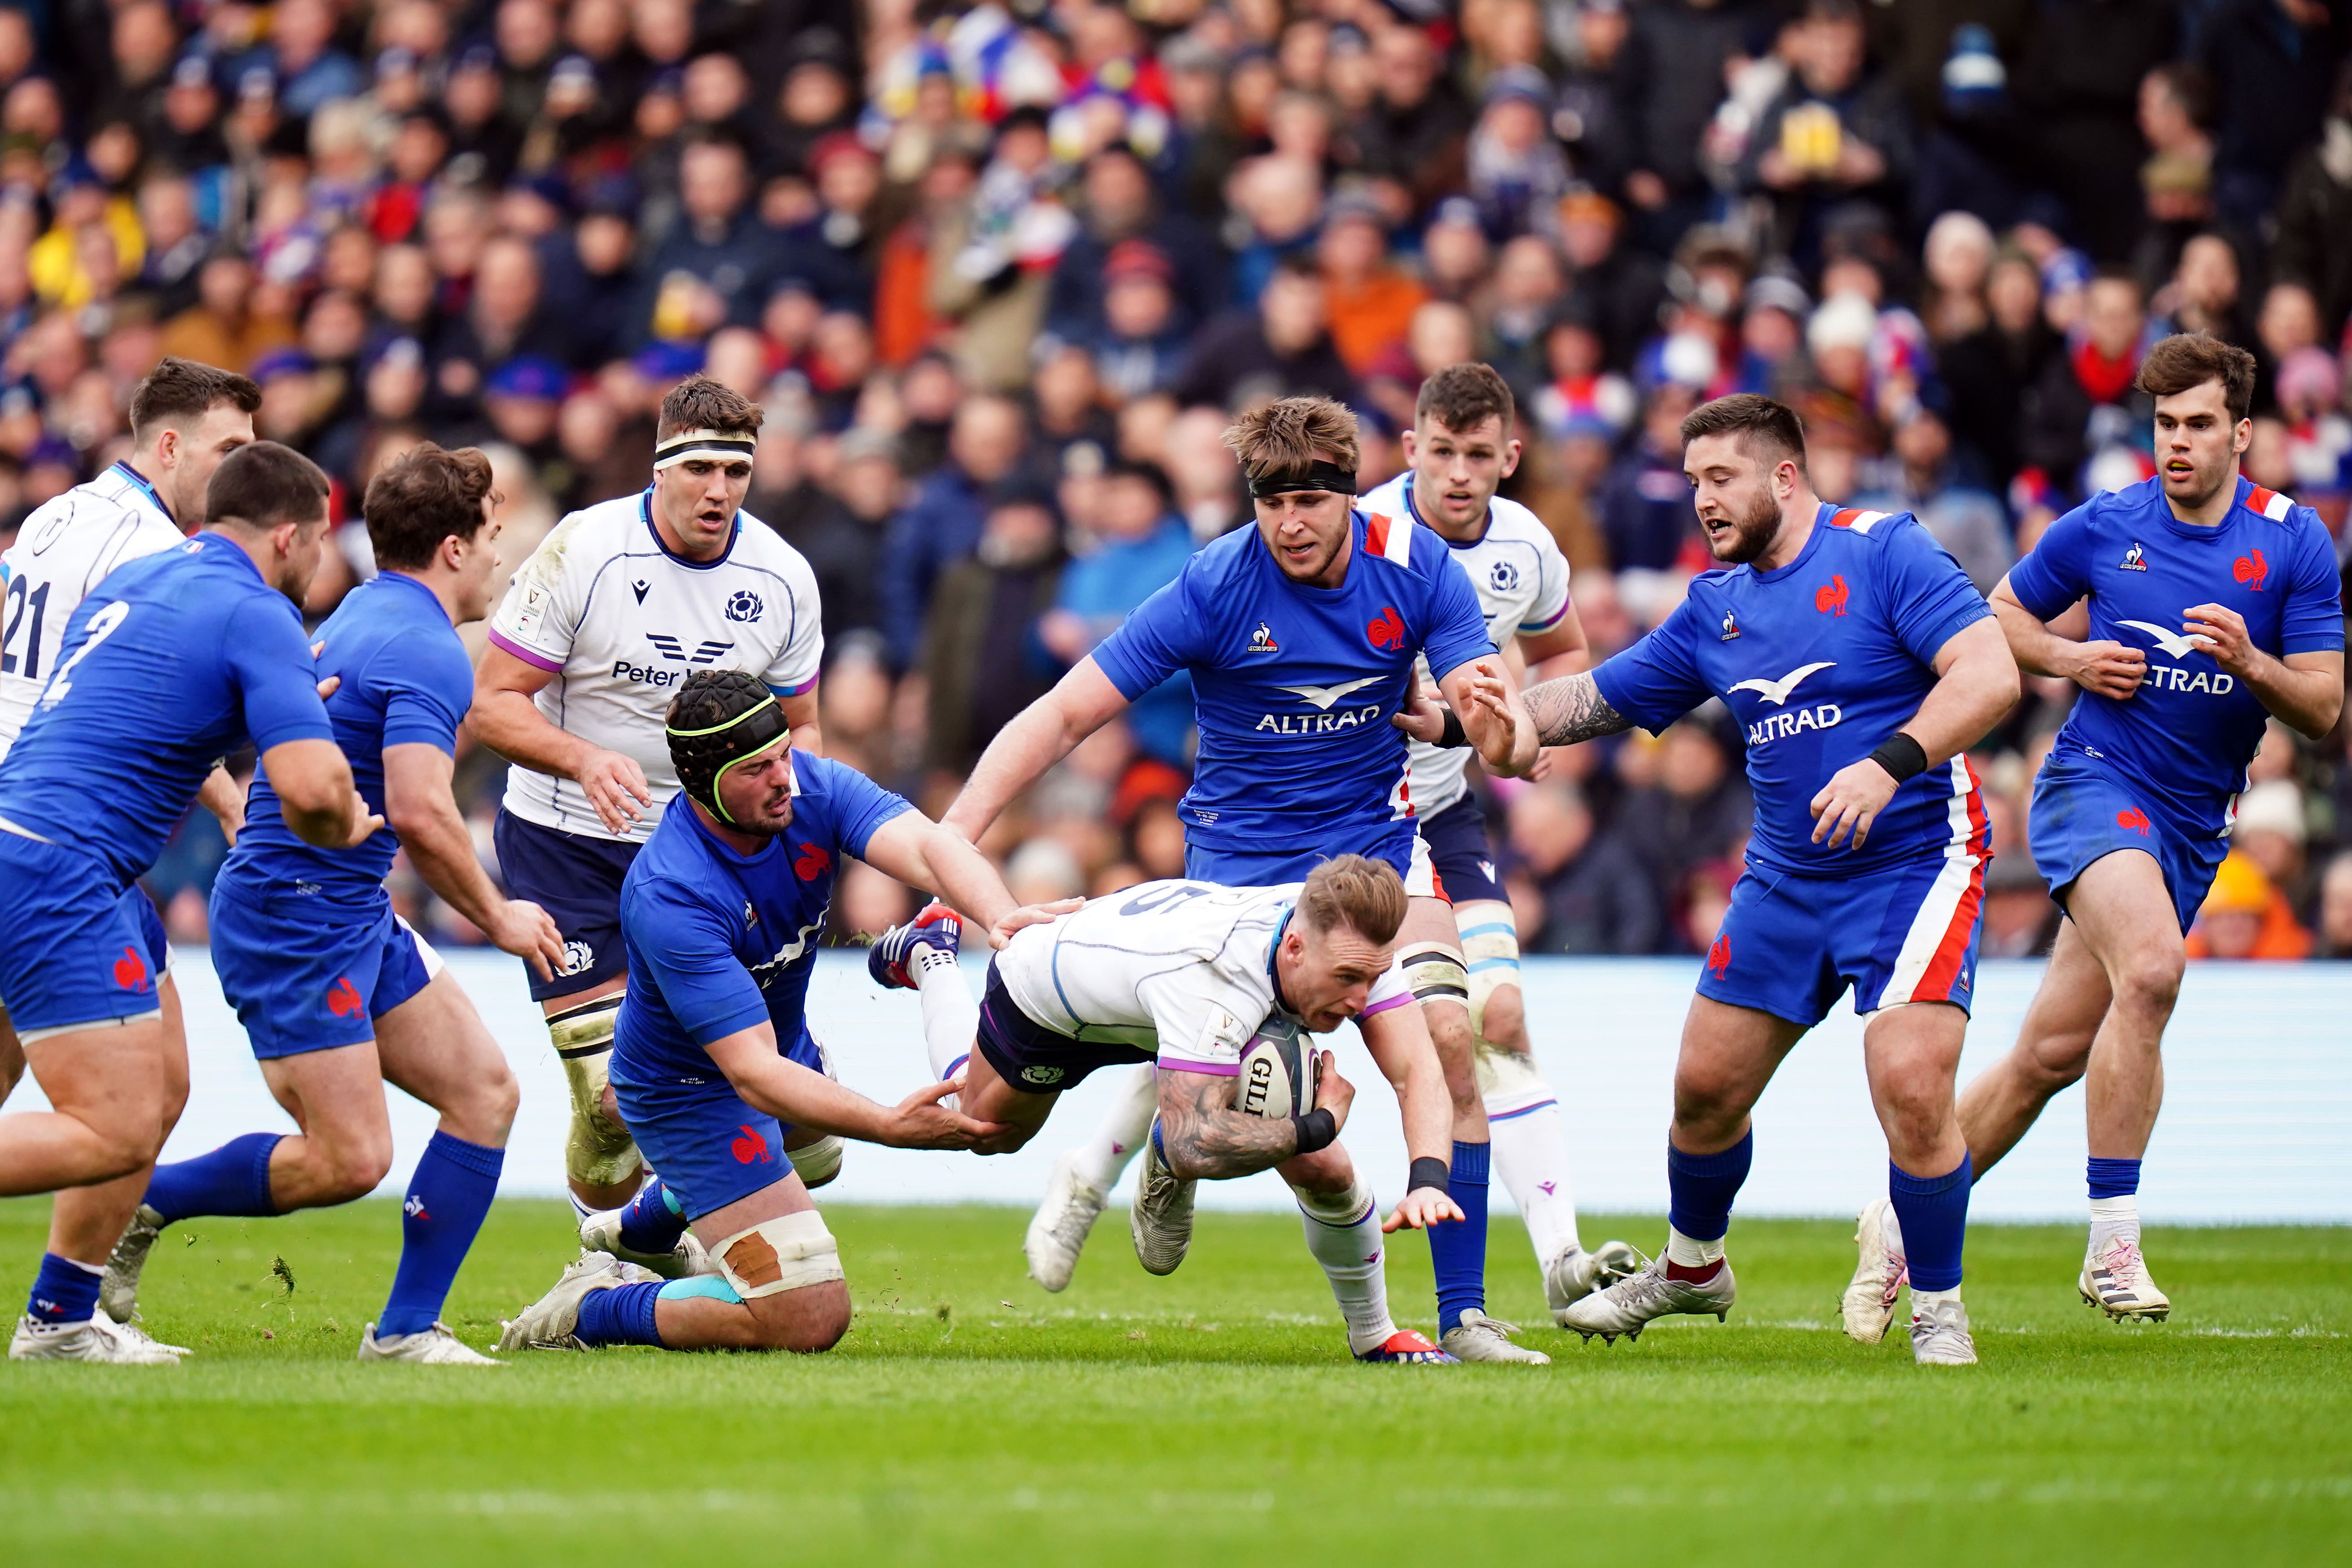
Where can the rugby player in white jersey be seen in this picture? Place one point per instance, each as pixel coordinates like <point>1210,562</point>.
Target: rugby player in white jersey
<point>1185,974</point>
<point>185,418</point>
<point>600,628</point>
<point>1461,954</point>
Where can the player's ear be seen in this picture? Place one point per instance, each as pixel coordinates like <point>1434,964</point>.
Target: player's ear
<point>2242,436</point>
<point>1511,450</point>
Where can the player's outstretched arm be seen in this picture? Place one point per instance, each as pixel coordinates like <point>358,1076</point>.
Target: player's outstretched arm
<point>1398,1038</point>
<point>1976,684</point>
<point>2056,647</point>
<point>793,1094</point>
<point>1567,710</point>
<point>1204,1136</point>
<point>314,788</point>
<point>422,808</point>
<point>1485,696</point>
<point>1041,735</point>
<point>506,720</point>
<point>915,850</point>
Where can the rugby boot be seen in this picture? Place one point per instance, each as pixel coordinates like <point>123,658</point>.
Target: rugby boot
<point>1574,1274</point>
<point>887,961</point>
<point>1939,1333</point>
<point>601,1232</point>
<point>1478,1337</point>
<point>1868,1304</point>
<point>1406,1347</point>
<point>85,1341</point>
<point>1627,1307</point>
<point>552,1321</point>
<point>2116,1281</point>
<point>437,1346</point>
<point>1162,1218</point>
<point>133,1333</point>
<point>118,1293</point>
<point>1058,1232</point>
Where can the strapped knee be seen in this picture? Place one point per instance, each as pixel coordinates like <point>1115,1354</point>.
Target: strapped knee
<point>818,1163</point>
<point>599,1152</point>
<point>1435,973</point>
<point>788,1253</point>
<point>1338,1211</point>
<point>1492,950</point>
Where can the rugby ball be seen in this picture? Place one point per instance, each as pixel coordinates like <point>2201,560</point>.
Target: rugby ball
<point>1279,1070</point>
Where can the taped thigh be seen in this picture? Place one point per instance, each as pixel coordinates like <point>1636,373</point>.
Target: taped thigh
<point>1339,1212</point>
<point>1434,970</point>
<point>1490,949</point>
<point>790,1252</point>
<point>599,1151</point>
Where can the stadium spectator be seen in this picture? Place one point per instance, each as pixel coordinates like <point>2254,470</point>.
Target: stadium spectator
<point>1577,889</point>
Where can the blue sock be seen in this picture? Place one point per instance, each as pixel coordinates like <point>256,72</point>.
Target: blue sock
<point>1934,1213</point>
<point>64,1291</point>
<point>447,1197</point>
<point>1700,1187</point>
<point>623,1315</point>
<point>653,1221</point>
<point>2114,1178</point>
<point>1457,1248</point>
<point>231,1183</point>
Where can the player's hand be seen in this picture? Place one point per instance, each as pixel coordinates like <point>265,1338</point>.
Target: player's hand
<point>1491,698</point>
<point>2223,632</point>
<point>1030,915</point>
<point>616,788</point>
<point>2108,668</point>
<point>1422,715</point>
<point>327,687</point>
<point>362,822</point>
<point>1422,1207</point>
<point>1851,802</point>
<point>523,929</point>
<point>920,1121</point>
<point>1332,1092</point>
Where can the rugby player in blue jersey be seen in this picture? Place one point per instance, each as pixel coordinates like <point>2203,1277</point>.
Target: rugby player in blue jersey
<point>714,1071</point>
<point>2212,605</point>
<point>172,661</point>
<point>1860,663</point>
<point>337,994</point>
<point>1300,636</point>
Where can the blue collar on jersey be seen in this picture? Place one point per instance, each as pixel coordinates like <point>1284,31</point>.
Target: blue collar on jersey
<point>646,510</point>
<point>146,487</point>
<point>1273,974</point>
<point>1413,509</point>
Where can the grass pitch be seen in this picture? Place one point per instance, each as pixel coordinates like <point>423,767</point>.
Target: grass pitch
<point>1207,1418</point>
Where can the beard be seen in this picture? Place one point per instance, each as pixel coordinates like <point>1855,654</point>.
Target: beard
<point>1756,528</point>
<point>2202,483</point>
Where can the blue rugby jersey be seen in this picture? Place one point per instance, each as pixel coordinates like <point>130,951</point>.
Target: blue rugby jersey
<point>405,680</point>
<point>1294,686</point>
<point>1820,661</point>
<point>2187,735</point>
<point>172,661</point>
<point>718,941</point>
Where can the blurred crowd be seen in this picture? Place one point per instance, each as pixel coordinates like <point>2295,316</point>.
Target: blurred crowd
<point>999,273</point>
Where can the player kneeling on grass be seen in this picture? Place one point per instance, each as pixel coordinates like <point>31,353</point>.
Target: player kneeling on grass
<point>714,1072</point>
<point>338,995</point>
<point>1196,977</point>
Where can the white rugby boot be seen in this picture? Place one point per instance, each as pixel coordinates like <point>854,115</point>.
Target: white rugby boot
<point>601,1232</point>
<point>1057,1231</point>
<point>88,1341</point>
<point>1628,1307</point>
<point>1939,1333</point>
<point>1478,1337</point>
<point>437,1346</point>
<point>137,1335</point>
<point>1160,1219</point>
<point>1574,1274</point>
<point>2116,1281</point>
<point>1868,1304</point>
<point>552,1321</point>
<point>117,1292</point>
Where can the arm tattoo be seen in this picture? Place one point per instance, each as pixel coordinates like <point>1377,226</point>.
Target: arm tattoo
<point>1203,1136</point>
<point>1572,708</point>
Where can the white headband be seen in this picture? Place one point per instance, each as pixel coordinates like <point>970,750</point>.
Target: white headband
<point>720,445</point>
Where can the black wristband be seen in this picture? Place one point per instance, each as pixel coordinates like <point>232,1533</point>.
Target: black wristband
<point>1315,1129</point>
<point>1901,756</point>
<point>1428,1173</point>
<point>1454,736</point>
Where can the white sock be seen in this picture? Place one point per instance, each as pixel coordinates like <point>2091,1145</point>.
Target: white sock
<point>2111,1219</point>
<point>1923,1302</point>
<point>580,1211</point>
<point>1119,1137</point>
<point>1344,1235</point>
<point>950,1017</point>
<point>1531,1156</point>
<point>1691,1252</point>
<point>1891,1226</point>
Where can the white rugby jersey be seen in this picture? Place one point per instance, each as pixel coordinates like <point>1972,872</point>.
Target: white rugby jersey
<point>1522,583</point>
<point>621,622</point>
<point>1184,968</point>
<point>67,546</point>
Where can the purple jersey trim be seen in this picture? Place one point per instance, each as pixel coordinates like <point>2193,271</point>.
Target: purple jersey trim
<point>808,685</point>
<point>536,660</point>
<point>1398,1000</point>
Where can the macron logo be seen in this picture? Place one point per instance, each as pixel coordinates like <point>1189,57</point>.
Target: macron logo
<point>1322,696</point>
<point>1777,692</point>
<point>2172,642</point>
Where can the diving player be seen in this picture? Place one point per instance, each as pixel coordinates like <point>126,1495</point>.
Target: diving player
<point>2213,604</point>
<point>338,995</point>
<point>185,418</point>
<point>1463,958</point>
<point>173,661</point>
<point>618,606</point>
<point>1301,635</point>
<point>1183,976</point>
<point>1860,663</point>
<point>714,1070</point>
